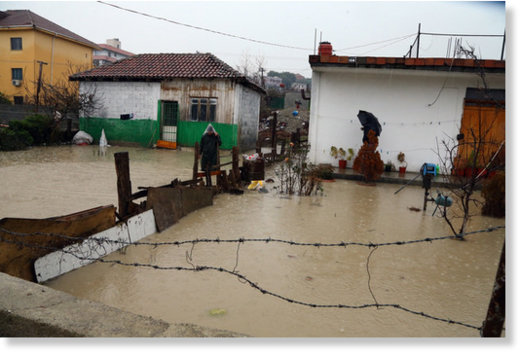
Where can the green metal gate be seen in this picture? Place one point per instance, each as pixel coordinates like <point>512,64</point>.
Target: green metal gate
<point>169,119</point>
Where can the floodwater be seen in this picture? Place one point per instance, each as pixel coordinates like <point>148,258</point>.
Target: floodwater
<point>445,279</point>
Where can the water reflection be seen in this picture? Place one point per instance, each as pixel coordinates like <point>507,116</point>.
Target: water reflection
<point>448,279</point>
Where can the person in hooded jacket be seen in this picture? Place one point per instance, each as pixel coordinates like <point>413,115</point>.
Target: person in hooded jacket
<point>209,144</point>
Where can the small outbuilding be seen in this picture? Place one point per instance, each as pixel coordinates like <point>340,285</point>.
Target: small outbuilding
<point>171,98</point>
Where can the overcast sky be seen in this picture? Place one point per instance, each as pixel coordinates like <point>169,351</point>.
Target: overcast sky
<point>362,28</point>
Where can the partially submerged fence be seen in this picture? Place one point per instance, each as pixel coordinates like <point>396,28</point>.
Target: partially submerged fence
<point>491,326</point>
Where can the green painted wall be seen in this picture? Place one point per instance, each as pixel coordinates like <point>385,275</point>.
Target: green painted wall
<point>142,131</point>
<point>188,133</point>
<point>146,132</point>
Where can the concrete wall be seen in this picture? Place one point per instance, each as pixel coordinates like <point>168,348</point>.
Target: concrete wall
<point>414,108</point>
<point>247,113</point>
<point>31,310</point>
<point>117,98</point>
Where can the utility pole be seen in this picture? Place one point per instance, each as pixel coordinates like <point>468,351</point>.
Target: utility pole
<point>39,84</point>
<point>262,77</point>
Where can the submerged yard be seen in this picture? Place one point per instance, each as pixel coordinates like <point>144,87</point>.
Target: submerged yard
<point>444,279</point>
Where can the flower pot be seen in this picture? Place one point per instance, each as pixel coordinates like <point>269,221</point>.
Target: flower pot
<point>402,171</point>
<point>342,164</point>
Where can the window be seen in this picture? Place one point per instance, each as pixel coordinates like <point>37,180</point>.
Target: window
<point>16,74</point>
<point>203,109</point>
<point>16,43</point>
<point>18,99</point>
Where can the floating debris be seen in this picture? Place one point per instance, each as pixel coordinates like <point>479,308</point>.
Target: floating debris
<point>217,312</point>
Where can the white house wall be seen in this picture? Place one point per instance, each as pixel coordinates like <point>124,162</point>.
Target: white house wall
<point>117,98</point>
<point>247,112</point>
<point>416,109</point>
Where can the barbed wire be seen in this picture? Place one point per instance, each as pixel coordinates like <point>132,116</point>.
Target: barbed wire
<point>260,240</point>
<point>243,279</point>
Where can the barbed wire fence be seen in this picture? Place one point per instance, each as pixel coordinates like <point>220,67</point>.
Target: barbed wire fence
<point>92,255</point>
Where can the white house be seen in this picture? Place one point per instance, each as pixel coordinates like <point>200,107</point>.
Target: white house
<point>110,53</point>
<point>150,98</point>
<point>418,102</point>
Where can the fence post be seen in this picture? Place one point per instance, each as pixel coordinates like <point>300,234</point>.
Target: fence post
<point>196,161</point>
<point>492,326</point>
<point>124,186</point>
<point>273,137</point>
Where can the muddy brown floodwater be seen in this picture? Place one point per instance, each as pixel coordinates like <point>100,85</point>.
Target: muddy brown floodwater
<point>445,279</point>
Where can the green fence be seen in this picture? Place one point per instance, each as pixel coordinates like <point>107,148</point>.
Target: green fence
<point>142,131</point>
<point>146,132</point>
<point>188,133</point>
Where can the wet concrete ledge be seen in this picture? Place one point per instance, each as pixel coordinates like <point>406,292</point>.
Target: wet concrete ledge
<point>389,177</point>
<point>32,310</point>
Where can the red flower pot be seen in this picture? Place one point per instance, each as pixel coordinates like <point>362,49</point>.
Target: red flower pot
<point>342,164</point>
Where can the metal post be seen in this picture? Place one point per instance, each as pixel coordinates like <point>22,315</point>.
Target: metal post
<point>492,326</point>
<point>418,39</point>
<point>503,46</point>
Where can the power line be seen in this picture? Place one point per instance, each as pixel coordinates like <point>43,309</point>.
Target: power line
<point>204,29</point>
<point>379,42</point>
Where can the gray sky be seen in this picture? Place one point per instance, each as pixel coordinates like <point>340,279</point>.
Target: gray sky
<point>362,28</point>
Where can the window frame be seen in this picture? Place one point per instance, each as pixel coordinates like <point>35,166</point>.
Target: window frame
<point>205,106</point>
<point>16,70</point>
<point>16,40</point>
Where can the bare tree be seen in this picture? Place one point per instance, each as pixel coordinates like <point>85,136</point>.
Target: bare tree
<point>63,99</point>
<point>467,160</point>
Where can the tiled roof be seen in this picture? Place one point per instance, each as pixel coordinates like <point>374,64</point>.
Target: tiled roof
<point>116,50</point>
<point>440,64</point>
<point>158,67</point>
<point>27,19</point>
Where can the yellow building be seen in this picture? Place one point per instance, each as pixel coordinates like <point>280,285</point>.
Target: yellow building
<point>35,50</point>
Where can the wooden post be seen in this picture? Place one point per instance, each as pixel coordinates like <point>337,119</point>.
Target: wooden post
<point>234,156</point>
<point>496,314</point>
<point>196,161</point>
<point>124,186</point>
<point>273,136</point>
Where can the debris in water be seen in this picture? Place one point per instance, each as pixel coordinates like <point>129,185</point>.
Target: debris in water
<point>414,209</point>
<point>217,312</point>
<point>308,278</point>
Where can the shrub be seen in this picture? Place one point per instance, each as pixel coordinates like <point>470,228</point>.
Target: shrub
<point>494,193</point>
<point>4,99</point>
<point>38,126</point>
<point>14,139</point>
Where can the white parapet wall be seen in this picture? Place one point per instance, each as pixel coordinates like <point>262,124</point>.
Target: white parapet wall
<point>96,246</point>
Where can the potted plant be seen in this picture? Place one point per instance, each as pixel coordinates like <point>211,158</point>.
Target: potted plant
<point>339,154</point>
<point>402,163</point>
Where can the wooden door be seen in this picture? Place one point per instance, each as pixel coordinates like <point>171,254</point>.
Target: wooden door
<point>484,129</point>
